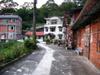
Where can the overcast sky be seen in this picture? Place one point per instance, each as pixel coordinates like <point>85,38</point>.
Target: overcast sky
<point>40,2</point>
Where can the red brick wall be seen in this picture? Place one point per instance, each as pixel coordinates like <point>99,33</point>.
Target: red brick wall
<point>88,39</point>
<point>95,48</point>
<point>80,34</point>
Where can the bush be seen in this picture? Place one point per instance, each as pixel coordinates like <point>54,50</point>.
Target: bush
<point>7,44</point>
<point>55,41</point>
<point>30,44</point>
<point>8,55</point>
<point>47,41</point>
<point>13,49</point>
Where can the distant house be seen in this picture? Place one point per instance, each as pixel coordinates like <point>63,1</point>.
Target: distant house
<point>10,27</point>
<point>39,33</point>
<point>53,28</point>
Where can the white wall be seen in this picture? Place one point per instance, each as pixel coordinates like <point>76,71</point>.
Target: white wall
<point>48,24</point>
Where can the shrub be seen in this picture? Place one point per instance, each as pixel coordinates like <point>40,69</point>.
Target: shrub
<point>30,44</point>
<point>47,41</point>
<point>8,55</point>
<point>13,49</point>
<point>55,41</point>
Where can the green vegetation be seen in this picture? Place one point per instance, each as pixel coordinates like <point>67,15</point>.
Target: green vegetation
<point>30,44</point>
<point>13,49</point>
<point>26,13</point>
<point>47,41</point>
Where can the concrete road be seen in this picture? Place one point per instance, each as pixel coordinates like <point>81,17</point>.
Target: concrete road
<point>69,63</point>
<point>51,60</point>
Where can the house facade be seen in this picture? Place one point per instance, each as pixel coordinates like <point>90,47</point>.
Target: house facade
<point>86,30</point>
<point>39,33</point>
<point>54,28</point>
<point>10,27</point>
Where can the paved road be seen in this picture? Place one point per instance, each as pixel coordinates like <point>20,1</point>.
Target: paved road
<point>51,60</point>
<point>69,63</point>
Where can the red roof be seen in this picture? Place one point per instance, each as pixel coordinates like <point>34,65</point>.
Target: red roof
<point>39,33</point>
<point>29,33</point>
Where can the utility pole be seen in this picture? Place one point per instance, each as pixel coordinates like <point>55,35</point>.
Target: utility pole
<point>34,20</point>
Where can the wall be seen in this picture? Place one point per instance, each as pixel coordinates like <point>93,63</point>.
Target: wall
<point>49,25</point>
<point>88,38</point>
<point>95,44</point>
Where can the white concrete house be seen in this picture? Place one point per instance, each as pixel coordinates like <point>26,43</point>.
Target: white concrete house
<point>54,28</point>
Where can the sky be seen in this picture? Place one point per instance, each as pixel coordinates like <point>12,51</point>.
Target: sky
<point>39,2</point>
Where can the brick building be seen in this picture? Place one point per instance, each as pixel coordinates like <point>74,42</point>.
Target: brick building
<point>10,27</point>
<point>67,25</point>
<point>86,30</point>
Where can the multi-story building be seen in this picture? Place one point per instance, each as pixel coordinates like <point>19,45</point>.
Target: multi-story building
<point>53,28</point>
<point>10,27</point>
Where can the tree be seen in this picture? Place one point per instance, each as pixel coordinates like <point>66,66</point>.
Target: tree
<point>26,15</point>
<point>27,5</point>
<point>79,2</point>
<point>9,10</point>
<point>67,6</point>
<point>8,4</point>
<point>51,9</point>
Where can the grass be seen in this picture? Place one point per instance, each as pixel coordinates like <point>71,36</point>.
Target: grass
<point>13,49</point>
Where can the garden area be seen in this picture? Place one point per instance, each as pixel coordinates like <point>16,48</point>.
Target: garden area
<point>12,50</point>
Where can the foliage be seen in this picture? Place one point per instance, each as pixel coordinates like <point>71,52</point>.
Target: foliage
<point>67,6</point>
<point>79,2</point>
<point>13,49</point>
<point>8,6</point>
<point>6,45</point>
<point>7,10</point>
<point>26,15</point>
<point>56,41</point>
<point>30,44</point>
<point>47,10</point>
<point>47,41</point>
<point>8,3</point>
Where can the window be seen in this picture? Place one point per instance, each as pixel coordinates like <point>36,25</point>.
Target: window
<point>46,29</point>
<point>60,28</point>
<point>54,21</point>
<point>60,36</point>
<point>52,29</point>
<point>11,27</point>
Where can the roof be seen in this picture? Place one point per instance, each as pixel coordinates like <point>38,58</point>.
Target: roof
<point>38,27</point>
<point>10,16</point>
<point>88,14</point>
<point>53,17</point>
<point>29,33</point>
<point>39,33</point>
